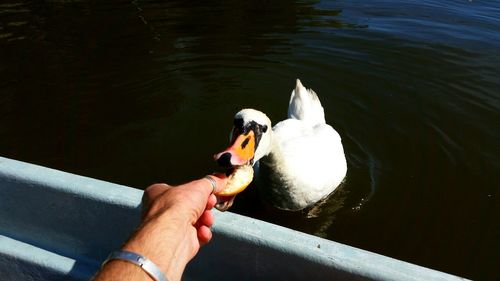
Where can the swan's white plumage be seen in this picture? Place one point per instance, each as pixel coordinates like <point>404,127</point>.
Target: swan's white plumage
<point>305,105</point>
<point>312,161</point>
<point>303,156</point>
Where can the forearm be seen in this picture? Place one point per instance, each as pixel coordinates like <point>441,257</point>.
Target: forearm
<point>161,240</point>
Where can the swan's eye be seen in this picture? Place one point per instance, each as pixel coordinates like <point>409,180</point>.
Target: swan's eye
<point>264,128</point>
<point>238,123</point>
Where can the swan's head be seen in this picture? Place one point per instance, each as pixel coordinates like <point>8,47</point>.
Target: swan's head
<point>250,139</point>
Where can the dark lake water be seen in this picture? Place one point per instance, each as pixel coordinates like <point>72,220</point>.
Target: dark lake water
<point>137,92</point>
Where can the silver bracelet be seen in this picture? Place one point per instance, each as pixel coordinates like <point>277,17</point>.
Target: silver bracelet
<point>146,264</point>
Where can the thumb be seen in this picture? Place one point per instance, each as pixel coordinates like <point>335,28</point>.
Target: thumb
<point>220,180</point>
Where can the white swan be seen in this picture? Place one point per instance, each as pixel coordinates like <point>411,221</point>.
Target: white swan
<point>299,162</point>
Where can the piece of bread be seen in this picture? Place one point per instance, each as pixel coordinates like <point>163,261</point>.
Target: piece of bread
<point>238,180</point>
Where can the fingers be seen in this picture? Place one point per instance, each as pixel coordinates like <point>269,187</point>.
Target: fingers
<point>204,234</point>
<point>193,198</point>
<point>203,225</point>
<point>212,200</point>
<point>221,180</point>
<point>207,219</point>
<point>206,185</point>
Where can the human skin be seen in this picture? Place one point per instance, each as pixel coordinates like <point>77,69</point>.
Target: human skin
<point>176,222</point>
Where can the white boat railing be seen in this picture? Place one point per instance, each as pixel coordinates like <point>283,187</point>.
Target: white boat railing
<point>60,226</point>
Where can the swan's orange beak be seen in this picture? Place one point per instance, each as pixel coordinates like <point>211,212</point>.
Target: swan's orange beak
<point>241,151</point>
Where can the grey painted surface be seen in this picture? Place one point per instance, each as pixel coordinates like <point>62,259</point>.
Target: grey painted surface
<point>60,226</point>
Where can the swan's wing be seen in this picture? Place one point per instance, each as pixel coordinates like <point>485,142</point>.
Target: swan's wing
<point>313,156</point>
<point>305,105</point>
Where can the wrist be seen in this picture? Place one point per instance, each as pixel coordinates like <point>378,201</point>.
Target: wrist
<point>160,240</point>
<point>116,269</point>
<point>142,262</point>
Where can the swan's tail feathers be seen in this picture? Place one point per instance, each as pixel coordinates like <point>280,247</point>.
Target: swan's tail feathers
<point>305,105</point>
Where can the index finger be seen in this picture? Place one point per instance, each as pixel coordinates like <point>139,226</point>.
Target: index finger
<point>206,186</point>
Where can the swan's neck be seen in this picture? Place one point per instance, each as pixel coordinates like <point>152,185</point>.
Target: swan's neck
<point>272,151</point>
<point>275,149</point>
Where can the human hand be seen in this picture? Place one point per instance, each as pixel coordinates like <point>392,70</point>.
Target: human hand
<point>176,222</point>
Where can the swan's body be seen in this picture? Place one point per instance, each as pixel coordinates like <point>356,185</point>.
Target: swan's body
<point>301,159</point>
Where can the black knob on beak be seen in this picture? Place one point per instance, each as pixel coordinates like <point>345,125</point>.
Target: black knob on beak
<point>225,160</point>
